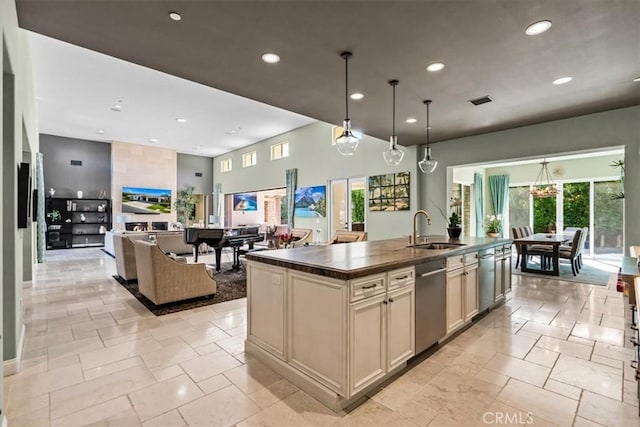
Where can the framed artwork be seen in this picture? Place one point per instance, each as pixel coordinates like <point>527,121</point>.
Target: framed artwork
<point>311,202</point>
<point>389,192</point>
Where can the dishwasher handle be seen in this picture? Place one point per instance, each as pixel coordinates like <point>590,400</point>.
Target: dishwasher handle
<point>487,256</point>
<point>431,273</point>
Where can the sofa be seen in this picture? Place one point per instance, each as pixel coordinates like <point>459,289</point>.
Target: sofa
<point>169,241</point>
<point>163,279</point>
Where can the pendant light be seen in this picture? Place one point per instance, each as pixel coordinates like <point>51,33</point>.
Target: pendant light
<point>347,142</point>
<point>427,165</point>
<point>544,185</point>
<point>393,156</point>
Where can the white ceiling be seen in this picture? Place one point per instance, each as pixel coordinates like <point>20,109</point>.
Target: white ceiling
<point>77,87</point>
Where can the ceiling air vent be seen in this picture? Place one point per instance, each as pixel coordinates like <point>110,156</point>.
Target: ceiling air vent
<point>481,100</point>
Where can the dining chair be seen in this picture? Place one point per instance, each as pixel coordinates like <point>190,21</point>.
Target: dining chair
<point>570,254</point>
<point>532,250</point>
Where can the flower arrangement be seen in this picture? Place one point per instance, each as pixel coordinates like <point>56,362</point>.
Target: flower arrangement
<point>494,224</point>
<point>454,219</point>
<point>286,239</point>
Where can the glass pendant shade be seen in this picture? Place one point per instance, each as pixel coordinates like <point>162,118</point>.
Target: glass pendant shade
<point>544,185</point>
<point>347,143</point>
<point>427,164</point>
<point>393,156</point>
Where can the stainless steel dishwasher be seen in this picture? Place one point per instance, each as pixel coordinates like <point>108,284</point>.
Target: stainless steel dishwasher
<point>486,278</point>
<point>431,303</point>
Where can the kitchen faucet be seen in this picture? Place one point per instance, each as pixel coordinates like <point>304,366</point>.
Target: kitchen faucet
<point>415,224</point>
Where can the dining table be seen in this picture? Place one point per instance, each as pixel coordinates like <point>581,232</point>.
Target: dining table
<point>548,239</point>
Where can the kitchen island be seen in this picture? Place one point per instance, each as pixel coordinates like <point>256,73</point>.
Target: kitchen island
<point>338,320</point>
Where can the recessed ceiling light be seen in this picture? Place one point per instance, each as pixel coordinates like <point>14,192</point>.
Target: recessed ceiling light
<point>231,132</point>
<point>181,120</point>
<point>435,66</point>
<point>356,96</point>
<point>175,16</point>
<point>100,131</point>
<point>197,148</point>
<point>562,80</point>
<point>117,108</point>
<point>637,79</point>
<point>271,58</point>
<point>412,120</point>
<point>153,140</point>
<point>537,28</point>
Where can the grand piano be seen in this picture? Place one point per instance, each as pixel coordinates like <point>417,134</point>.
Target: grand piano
<point>219,238</point>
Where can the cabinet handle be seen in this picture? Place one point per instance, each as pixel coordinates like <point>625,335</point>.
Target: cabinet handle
<point>384,302</point>
<point>390,299</point>
<point>370,286</point>
<point>402,277</point>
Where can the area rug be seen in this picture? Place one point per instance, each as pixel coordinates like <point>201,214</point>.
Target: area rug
<point>588,274</point>
<point>230,285</point>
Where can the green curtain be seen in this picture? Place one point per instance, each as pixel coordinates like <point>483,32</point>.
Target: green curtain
<point>499,192</point>
<point>478,196</point>
<point>292,180</point>
<point>41,229</point>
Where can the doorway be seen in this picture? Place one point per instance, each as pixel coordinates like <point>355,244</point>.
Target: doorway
<point>347,211</point>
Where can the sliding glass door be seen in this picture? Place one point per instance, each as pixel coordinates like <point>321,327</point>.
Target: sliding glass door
<point>347,210</point>
<point>590,204</point>
<point>607,220</point>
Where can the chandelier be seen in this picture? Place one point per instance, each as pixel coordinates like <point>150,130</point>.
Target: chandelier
<point>544,185</point>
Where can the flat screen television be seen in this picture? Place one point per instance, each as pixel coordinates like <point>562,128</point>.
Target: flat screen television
<point>24,194</point>
<point>245,202</point>
<point>142,200</point>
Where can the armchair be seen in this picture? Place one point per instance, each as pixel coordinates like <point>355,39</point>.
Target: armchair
<point>162,279</point>
<point>348,237</point>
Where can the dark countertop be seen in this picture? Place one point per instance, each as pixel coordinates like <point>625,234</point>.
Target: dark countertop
<point>351,260</point>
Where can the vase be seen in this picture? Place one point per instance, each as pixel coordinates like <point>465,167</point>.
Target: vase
<point>492,234</point>
<point>454,233</point>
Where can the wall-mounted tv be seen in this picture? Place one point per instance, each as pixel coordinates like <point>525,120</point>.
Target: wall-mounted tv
<point>245,202</point>
<point>24,194</point>
<point>139,200</point>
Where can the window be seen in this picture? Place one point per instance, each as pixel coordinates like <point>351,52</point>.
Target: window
<point>278,151</point>
<point>249,159</point>
<point>225,165</point>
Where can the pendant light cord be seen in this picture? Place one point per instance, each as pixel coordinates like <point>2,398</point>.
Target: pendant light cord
<point>346,84</point>
<point>393,126</point>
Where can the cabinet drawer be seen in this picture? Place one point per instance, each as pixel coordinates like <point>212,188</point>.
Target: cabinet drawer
<point>401,277</point>
<point>366,287</point>
<point>471,258</point>
<point>454,262</point>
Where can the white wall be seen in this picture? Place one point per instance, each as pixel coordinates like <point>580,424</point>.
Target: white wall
<point>613,128</point>
<point>318,162</point>
<point>24,129</point>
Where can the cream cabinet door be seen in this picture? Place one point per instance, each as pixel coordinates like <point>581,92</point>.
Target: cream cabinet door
<point>317,310</point>
<point>266,307</point>
<point>367,346</point>
<point>471,292</point>
<point>400,326</point>
<point>455,302</point>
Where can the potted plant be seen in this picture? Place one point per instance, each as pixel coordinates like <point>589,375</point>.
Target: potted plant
<point>494,225</point>
<point>185,204</point>
<point>454,220</point>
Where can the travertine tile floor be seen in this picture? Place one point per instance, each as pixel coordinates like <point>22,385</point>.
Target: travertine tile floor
<point>555,354</point>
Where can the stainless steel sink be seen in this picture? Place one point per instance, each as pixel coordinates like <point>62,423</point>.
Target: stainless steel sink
<point>440,246</point>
